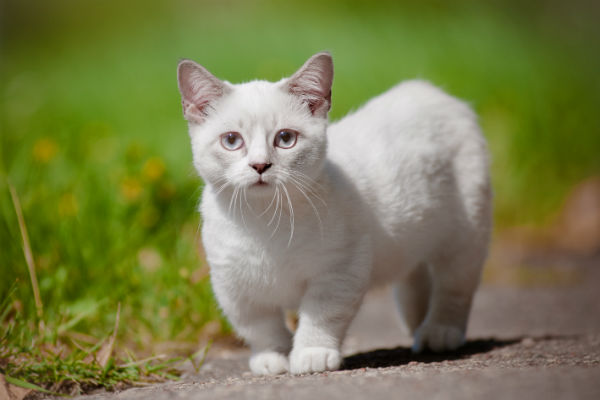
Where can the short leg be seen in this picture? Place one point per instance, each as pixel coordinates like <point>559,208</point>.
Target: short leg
<point>412,297</point>
<point>326,311</point>
<point>270,342</point>
<point>263,328</point>
<point>268,363</point>
<point>454,281</point>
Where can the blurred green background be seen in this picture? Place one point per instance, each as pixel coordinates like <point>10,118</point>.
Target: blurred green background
<point>93,140</point>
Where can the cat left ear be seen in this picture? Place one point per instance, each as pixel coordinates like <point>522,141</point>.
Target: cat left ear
<point>312,83</point>
<point>198,89</point>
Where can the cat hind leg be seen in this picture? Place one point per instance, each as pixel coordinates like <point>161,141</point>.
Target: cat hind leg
<point>454,280</point>
<point>412,298</point>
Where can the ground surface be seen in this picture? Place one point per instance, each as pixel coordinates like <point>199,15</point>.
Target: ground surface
<point>534,334</point>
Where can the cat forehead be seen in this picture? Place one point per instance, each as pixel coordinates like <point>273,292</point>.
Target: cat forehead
<point>258,88</point>
<point>258,99</point>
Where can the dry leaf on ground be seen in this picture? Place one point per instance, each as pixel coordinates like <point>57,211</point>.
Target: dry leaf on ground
<point>11,392</point>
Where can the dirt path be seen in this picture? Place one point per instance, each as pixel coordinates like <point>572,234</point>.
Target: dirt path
<point>534,335</point>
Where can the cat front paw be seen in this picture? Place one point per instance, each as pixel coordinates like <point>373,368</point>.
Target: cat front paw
<point>438,338</point>
<point>314,359</point>
<point>268,363</point>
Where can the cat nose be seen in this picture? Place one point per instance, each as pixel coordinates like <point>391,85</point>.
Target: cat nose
<point>260,168</point>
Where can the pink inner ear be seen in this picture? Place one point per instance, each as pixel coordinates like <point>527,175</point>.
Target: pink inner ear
<point>194,111</point>
<point>313,83</point>
<point>318,103</point>
<point>316,106</point>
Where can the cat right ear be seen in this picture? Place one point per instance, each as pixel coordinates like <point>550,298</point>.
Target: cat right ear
<point>198,89</point>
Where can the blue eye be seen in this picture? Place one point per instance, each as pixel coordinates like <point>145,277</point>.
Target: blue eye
<point>232,141</point>
<point>286,138</point>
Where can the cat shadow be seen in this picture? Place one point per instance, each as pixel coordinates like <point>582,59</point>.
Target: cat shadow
<point>398,356</point>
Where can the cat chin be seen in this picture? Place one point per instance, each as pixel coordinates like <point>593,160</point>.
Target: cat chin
<point>260,189</point>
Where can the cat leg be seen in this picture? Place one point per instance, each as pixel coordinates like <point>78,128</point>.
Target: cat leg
<point>263,328</point>
<point>325,313</point>
<point>454,279</point>
<point>270,342</point>
<point>412,297</point>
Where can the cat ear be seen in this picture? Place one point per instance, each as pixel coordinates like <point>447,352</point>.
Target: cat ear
<point>313,83</point>
<point>198,89</point>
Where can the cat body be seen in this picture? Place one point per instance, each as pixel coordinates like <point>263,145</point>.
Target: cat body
<point>301,215</point>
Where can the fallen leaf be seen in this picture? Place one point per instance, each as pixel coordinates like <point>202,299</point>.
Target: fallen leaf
<point>11,392</point>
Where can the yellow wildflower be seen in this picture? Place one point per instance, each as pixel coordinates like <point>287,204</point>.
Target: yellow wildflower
<point>154,169</point>
<point>44,150</point>
<point>131,189</point>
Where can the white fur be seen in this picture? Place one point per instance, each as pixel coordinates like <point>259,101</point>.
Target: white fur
<point>397,191</point>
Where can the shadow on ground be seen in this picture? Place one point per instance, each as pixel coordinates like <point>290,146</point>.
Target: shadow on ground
<point>403,355</point>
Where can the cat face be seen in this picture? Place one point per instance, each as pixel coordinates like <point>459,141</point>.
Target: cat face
<point>258,135</point>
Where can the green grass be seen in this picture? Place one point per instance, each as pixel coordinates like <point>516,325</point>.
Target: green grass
<point>60,361</point>
<point>92,138</point>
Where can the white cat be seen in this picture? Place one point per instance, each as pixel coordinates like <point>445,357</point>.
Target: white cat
<point>299,215</point>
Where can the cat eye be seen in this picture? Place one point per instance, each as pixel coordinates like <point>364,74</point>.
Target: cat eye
<point>232,141</point>
<point>286,138</point>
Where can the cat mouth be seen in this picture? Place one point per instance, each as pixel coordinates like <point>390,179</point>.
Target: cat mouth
<point>260,182</point>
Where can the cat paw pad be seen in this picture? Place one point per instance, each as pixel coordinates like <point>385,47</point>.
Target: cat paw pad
<point>268,363</point>
<point>438,338</point>
<point>314,359</point>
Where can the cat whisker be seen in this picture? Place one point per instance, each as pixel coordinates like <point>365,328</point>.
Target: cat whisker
<point>280,206</point>
<point>240,195</point>
<point>218,192</point>
<point>276,205</point>
<point>304,182</point>
<point>308,184</point>
<point>223,186</point>
<point>248,203</point>
<point>280,212</point>
<point>312,206</point>
<point>270,204</point>
<point>291,208</point>
<point>307,188</point>
<point>235,200</point>
<point>231,201</point>
<point>220,179</point>
<point>307,191</point>
<point>310,181</point>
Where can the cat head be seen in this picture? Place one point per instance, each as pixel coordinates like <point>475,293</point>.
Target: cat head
<point>259,134</point>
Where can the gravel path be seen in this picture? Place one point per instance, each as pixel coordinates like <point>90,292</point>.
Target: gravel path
<point>534,333</point>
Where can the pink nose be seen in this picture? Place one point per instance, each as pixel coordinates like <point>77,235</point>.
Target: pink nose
<point>260,168</point>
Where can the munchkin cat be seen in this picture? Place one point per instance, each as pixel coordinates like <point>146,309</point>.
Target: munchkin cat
<point>299,214</point>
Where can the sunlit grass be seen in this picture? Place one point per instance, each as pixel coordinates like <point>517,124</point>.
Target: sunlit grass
<point>93,140</point>
<point>62,361</point>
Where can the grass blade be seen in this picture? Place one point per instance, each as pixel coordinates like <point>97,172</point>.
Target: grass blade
<point>27,252</point>
<point>27,385</point>
<point>105,354</point>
